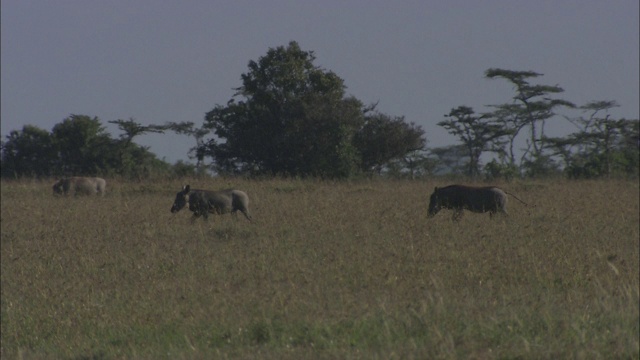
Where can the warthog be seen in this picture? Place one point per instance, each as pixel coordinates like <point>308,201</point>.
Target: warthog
<point>475,199</point>
<point>80,186</point>
<point>203,202</point>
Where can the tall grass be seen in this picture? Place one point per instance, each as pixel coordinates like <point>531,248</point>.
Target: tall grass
<point>326,270</point>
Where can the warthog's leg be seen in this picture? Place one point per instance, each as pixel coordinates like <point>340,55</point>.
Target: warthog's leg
<point>457,214</point>
<point>197,213</point>
<point>502,212</point>
<point>244,212</point>
<point>199,208</point>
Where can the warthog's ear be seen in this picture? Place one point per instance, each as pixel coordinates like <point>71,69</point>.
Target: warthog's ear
<point>436,189</point>
<point>186,188</point>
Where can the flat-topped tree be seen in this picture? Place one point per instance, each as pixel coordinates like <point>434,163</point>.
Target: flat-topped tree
<point>532,106</point>
<point>478,134</point>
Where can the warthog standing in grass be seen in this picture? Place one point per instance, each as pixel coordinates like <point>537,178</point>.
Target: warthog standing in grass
<point>476,199</point>
<point>80,186</point>
<point>203,202</point>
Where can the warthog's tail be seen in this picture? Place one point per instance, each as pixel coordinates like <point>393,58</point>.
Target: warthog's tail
<point>508,193</point>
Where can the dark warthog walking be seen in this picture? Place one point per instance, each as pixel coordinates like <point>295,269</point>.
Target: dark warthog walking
<point>203,202</point>
<point>476,199</point>
<point>80,186</point>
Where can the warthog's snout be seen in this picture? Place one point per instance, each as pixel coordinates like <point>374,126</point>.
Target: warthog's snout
<point>182,198</point>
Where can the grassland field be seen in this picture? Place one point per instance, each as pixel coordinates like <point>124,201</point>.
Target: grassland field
<point>327,270</point>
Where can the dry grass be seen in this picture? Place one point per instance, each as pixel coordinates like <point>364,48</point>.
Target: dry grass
<point>327,270</point>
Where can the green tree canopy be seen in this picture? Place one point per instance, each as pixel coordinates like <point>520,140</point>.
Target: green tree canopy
<point>602,147</point>
<point>82,143</point>
<point>197,152</point>
<point>532,106</point>
<point>478,134</point>
<point>292,118</point>
<point>133,160</point>
<point>79,145</point>
<point>383,138</point>
<point>28,152</point>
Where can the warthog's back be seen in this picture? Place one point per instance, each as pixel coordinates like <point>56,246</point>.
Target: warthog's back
<point>225,201</point>
<point>101,185</point>
<point>79,185</point>
<point>202,202</point>
<point>476,199</point>
<point>220,201</point>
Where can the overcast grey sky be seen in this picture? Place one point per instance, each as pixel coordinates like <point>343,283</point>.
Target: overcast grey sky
<point>158,61</point>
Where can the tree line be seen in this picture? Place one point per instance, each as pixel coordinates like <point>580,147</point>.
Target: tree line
<point>292,118</point>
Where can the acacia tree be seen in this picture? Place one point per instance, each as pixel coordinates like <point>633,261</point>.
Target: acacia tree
<point>509,118</point>
<point>132,157</point>
<point>452,159</point>
<point>478,134</point>
<point>532,107</point>
<point>198,151</point>
<point>601,146</point>
<point>412,165</point>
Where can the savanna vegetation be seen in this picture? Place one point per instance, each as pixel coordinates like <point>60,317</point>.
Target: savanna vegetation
<point>326,270</point>
<point>292,118</point>
<point>340,261</point>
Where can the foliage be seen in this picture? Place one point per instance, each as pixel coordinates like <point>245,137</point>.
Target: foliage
<point>416,164</point>
<point>512,120</point>
<point>83,145</point>
<point>383,139</point>
<point>293,118</point>
<point>532,107</point>
<point>452,159</point>
<point>602,147</point>
<point>541,166</point>
<point>198,151</point>
<point>499,171</point>
<point>478,134</point>
<point>28,152</point>
<point>79,145</point>
<point>131,156</point>
<point>183,169</point>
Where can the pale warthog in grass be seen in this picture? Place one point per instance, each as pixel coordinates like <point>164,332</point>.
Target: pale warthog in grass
<point>203,202</point>
<point>475,199</point>
<point>80,186</point>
